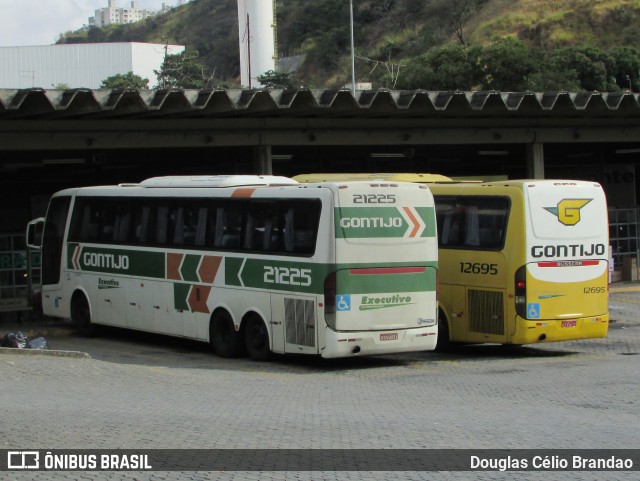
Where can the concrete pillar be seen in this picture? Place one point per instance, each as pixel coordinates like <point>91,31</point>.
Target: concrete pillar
<point>535,160</point>
<point>262,159</point>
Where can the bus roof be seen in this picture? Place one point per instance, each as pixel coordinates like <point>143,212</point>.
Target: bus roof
<point>522,183</point>
<point>217,181</point>
<point>388,177</point>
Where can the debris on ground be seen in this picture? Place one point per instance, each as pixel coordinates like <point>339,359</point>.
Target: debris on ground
<point>19,341</point>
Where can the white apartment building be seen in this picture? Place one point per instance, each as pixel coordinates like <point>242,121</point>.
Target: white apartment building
<point>116,15</point>
<point>81,65</point>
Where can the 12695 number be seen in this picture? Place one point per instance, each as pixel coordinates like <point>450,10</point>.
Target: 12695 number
<point>478,268</point>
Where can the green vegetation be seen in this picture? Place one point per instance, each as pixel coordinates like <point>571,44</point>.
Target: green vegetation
<point>432,44</point>
<point>275,80</point>
<point>186,70</point>
<point>125,81</point>
<point>510,65</point>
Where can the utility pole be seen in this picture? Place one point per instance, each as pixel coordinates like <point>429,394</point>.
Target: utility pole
<point>353,54</point>
<point>165,65</point>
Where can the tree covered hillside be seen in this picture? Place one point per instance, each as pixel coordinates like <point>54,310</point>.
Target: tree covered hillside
<point>429,44</point>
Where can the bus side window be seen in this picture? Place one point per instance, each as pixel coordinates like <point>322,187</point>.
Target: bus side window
<point>259,229</point>
<point>231,227</point>
<point>303,242</point>
<point>217,227</point>
<point>449,216</point>
<point>492,220</point>
<point>450,230</point>
<point>85,224</point>
<point>162,224</point>
<point>53,236</point>
<point>250,233</point>
<point>178,227</point>
<point>301,226</point>
<point>472,227</point>
<point>289,230</point>
<point>473,221</point>
<point>108,219</point>
<point>201,227</point>
<point>270,236</point>
<point>143,214</point>
<point>122,223</point>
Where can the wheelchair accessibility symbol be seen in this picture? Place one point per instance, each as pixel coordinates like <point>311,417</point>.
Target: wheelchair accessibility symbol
<point>533,310</point>
<point>343,303</point>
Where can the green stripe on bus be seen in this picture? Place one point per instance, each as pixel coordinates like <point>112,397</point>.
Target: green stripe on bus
<point>269,274</point>
<point>384,222</point>
<point>428,216</point>
<point>309,278</point>
<point>189,269</point>
<point>352,283</point>
<point>180,295</point>
<point>116,261</point>
<point>275,274</point>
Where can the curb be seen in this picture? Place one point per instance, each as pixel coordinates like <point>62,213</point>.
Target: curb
<point>44,352</point>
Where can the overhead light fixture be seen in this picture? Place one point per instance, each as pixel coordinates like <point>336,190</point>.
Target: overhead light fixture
<point>62,161</point>
<point>628,151</point>
<point>281,156</point>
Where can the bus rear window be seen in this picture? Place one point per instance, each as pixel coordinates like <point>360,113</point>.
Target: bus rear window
<point>472,222</point>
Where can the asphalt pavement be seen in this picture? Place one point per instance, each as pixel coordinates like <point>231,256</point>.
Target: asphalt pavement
<point>140,391</point>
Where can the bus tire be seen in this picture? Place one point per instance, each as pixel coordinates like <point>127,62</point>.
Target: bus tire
<point>224,338</point>
<point>256,338</point>
<point>443,343</point>
<point>81,316</point>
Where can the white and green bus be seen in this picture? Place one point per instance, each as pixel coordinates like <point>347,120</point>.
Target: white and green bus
<point>256,264</point>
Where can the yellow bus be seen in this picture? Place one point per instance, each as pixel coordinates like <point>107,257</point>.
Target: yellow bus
<point>521,261</point>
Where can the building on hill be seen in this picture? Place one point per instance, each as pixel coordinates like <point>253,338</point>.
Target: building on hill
<point>117,15</point>
<point>83,65</point>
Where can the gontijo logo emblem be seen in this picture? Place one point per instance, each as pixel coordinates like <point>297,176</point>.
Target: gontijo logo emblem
<point>568,210</point>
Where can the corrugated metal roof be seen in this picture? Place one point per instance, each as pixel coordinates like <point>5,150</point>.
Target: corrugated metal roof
<point>221,103</point>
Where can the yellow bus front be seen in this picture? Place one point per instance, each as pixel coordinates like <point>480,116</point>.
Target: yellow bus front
<point>561,292</point>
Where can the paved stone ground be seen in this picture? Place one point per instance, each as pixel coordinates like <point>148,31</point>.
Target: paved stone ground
<point>150,392</point>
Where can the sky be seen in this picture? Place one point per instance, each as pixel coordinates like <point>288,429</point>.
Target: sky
<point>40,22</point>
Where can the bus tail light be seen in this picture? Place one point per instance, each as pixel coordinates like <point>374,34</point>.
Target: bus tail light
<point>330,300</point>
<point>521,292</point>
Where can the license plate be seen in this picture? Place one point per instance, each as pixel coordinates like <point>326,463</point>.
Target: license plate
<point>569,323</point>
<point>389,336</point>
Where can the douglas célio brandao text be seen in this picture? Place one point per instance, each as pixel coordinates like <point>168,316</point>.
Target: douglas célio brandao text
<point>552,463</point>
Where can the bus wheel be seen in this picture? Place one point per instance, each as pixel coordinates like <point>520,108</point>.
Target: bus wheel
<point>444,343</point>
<point>226,342</point>
<point>256,339</point>
<point>81,316</point>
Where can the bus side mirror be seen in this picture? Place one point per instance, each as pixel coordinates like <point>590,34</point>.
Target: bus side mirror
<point>35,228</point>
